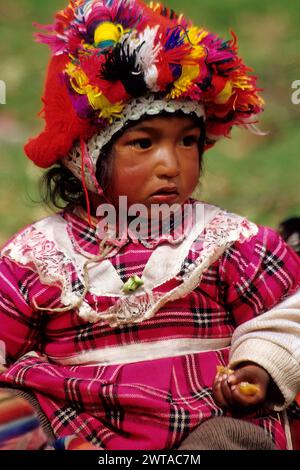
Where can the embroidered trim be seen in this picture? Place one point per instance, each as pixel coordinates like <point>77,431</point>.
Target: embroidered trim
<point>132,112</point>
<point>32,249</point>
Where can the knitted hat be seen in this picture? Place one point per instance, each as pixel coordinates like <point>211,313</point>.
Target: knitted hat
<point>117,60</point>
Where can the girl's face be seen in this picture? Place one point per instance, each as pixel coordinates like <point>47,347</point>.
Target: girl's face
<point>156,162</point>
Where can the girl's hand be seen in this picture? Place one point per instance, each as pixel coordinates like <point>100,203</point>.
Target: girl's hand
<point>241,388</point>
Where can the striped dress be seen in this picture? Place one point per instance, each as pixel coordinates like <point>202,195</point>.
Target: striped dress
<point>135,371</point>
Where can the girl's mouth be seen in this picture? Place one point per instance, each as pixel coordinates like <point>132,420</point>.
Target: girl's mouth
<point>172,189</point>
<point>164,196</point>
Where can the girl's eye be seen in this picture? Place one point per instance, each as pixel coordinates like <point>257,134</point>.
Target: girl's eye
<point>141,143</point>
<point>190,140</point>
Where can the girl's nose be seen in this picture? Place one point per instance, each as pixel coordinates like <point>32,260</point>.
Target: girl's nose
<point>168,165</point>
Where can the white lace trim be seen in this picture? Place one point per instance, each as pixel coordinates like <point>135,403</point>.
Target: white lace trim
<point>146,351</point>
<point>132,112</point>
<point>33,249</point>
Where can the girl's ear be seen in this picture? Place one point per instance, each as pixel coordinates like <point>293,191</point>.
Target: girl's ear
<point>202,140</point>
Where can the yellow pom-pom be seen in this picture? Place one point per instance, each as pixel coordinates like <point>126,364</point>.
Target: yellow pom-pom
<point>225,94</point>
<point>188,75</point>
<point>108,32</point>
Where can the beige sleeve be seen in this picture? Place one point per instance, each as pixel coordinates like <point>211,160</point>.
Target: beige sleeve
<point>272,340</point>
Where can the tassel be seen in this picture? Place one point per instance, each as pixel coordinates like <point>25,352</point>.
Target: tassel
<point>86,194</point>
<point>256,130</point>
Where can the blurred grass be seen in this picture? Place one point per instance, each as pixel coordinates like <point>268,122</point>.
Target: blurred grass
<point>254,176</point>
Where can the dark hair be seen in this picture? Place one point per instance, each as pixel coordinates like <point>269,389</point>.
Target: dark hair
<point>289,229</point>
<point>60,188</point>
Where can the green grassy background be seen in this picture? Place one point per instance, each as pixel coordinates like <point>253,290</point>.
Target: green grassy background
<point>255,176</point>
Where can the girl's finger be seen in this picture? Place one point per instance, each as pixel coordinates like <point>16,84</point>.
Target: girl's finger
<point>226,390</point>
<point>218,390</point>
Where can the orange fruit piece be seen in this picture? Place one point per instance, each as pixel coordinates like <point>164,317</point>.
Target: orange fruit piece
<point>224,370</point>
<point>248,389</point>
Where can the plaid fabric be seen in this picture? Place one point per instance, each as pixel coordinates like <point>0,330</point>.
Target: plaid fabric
<point>144,405</point>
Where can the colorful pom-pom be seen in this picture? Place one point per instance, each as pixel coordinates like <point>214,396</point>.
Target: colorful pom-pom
<point>107,34</point>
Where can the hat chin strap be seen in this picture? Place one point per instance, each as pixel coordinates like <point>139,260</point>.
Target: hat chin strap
<point>85,157</point>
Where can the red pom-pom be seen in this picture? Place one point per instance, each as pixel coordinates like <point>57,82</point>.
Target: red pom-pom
<point>47,148</point>
<point>63,126</point>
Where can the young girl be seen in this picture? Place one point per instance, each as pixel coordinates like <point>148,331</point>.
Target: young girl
<point>138,316</point>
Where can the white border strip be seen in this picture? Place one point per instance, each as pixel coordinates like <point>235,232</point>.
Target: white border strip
<point>144,351</point>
